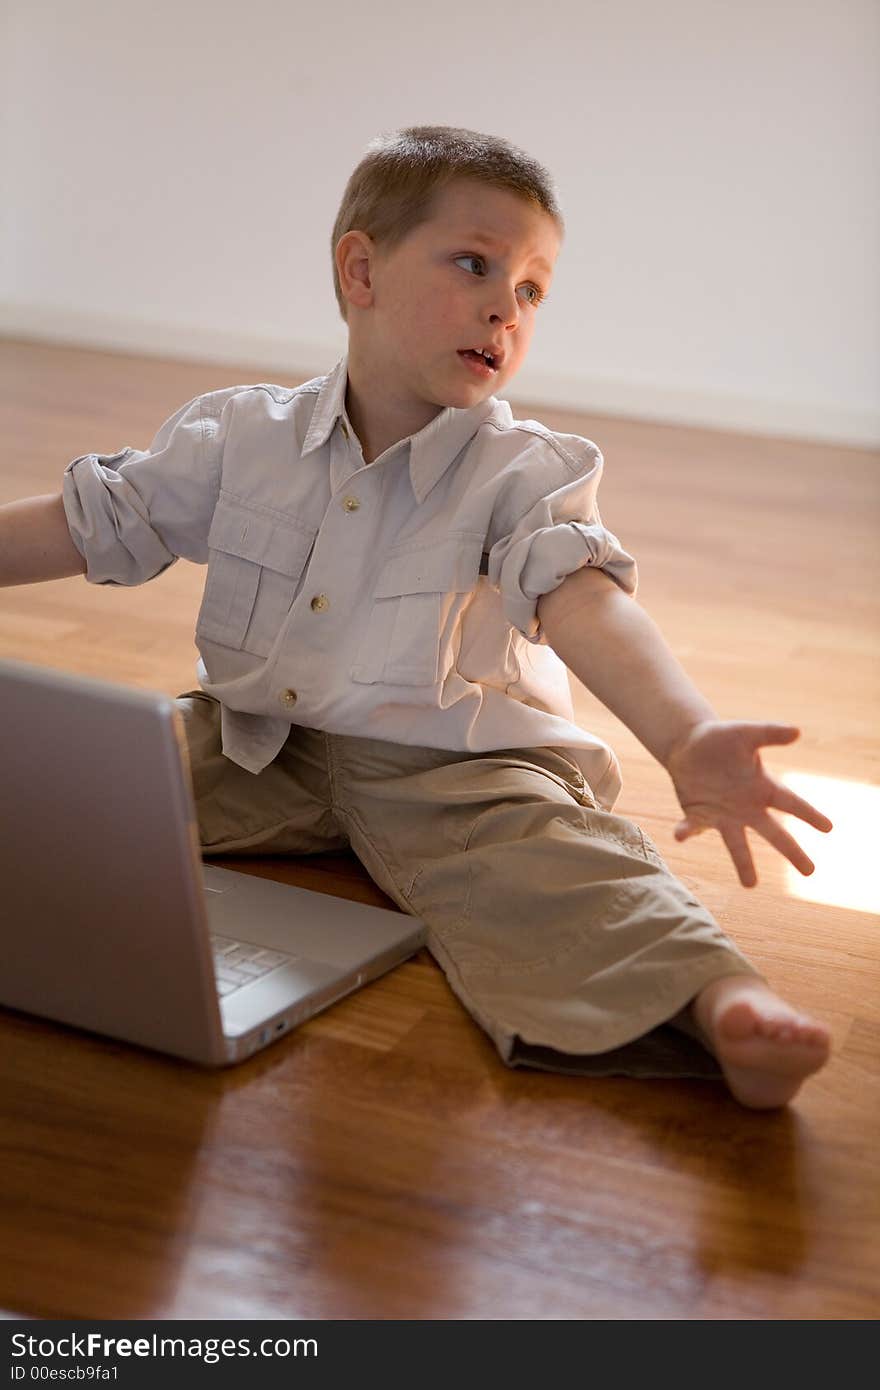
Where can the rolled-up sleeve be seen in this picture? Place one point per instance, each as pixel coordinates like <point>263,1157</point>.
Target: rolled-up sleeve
<point>133,513</point>
<point>559,533</point>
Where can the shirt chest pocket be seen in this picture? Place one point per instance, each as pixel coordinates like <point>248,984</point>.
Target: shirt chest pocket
<point>255,563</point>
<point>413,620</point>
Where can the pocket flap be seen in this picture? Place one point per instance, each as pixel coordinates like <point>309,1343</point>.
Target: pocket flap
<point>267,540</point>
<point>448,566</point>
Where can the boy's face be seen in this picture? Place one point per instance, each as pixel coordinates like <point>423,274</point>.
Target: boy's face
<point>444,289</point>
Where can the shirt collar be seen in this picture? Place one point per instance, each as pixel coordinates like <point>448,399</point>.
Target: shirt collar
<point>432,449</point>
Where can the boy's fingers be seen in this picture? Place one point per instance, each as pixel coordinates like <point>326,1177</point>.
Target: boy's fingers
<point>785,800</point>
<point>687,827</point>
<point>760,734</point>
<point>777,733</point>
<point>738,848</point>
<point>784,843</point>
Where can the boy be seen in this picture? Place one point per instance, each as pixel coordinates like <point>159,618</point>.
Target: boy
<point>398,575</point>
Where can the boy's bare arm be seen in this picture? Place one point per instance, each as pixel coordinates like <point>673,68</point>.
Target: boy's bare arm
<point>35,541</point>
<point>616,649</point>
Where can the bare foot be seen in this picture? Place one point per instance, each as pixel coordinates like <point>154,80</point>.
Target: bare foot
<point>765,1048</point>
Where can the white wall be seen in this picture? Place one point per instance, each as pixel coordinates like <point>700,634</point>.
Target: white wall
<point>173,169</point>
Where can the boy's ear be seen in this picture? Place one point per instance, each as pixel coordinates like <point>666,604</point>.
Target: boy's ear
<point>354,261</point>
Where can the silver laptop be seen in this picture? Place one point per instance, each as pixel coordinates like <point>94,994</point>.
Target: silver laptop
<point>109,921</point>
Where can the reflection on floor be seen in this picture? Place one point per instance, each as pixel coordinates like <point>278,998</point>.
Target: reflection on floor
<point>846,858</point>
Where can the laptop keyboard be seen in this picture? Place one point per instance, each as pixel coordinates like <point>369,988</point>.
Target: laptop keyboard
<point>238,963</point>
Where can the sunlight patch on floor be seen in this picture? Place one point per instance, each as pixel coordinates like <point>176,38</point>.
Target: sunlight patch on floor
<point>847,858</point>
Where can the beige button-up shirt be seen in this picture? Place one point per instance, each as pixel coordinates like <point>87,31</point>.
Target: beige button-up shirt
<point>393,601</point>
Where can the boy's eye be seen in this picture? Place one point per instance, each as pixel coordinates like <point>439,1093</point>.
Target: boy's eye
<point>470,258</point>
<point>537,295</point>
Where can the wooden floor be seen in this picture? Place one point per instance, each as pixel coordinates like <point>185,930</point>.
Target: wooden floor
<point>381,1162</point>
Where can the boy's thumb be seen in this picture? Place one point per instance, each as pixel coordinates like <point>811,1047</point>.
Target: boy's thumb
<point>686,828</point>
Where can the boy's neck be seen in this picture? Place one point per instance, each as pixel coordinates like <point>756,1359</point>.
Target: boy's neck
<point>383,422</point>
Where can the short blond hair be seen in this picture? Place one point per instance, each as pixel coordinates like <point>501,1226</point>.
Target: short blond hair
<point>392,189</point>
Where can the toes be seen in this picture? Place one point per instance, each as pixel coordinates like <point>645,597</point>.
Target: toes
<point>755,1018</point>
<point>739,1020</point>
<point>774,1028</point>
<point>792,1030</point>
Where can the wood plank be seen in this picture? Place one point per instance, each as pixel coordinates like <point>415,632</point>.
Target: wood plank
<point>381,1161</point>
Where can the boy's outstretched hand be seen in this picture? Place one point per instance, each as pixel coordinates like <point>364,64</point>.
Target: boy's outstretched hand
<point>720,783</point>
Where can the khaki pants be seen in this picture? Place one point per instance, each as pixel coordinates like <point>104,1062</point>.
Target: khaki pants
<point>557,924</point>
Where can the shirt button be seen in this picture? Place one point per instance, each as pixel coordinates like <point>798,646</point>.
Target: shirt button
<point>351,504</point>
<point>344,428</point>
<point>287,697</point>
<point>319,603</point>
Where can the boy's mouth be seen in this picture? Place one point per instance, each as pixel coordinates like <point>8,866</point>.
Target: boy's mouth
<point>487,356</point>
